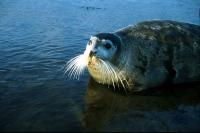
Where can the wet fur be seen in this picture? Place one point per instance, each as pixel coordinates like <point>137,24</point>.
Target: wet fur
<point>160,52</point>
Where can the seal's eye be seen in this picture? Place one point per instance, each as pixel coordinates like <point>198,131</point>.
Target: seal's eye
<point>90,42</point>
<point>107,45</point>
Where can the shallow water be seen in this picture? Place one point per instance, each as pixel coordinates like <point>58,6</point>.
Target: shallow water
<point>36,40</point>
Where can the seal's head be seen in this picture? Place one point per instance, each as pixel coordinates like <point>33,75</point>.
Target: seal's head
<point>103,51</point>
<point>103,46</point>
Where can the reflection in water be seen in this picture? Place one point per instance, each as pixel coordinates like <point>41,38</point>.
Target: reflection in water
<point>155,109</point>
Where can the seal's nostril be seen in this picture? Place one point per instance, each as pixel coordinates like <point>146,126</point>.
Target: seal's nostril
<point>92,53</point>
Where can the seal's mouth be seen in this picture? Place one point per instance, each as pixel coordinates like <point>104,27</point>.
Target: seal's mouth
<point>94,64</point>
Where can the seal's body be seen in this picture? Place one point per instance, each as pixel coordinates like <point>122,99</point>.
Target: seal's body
<point>162,51</point>
<point>146,55</point>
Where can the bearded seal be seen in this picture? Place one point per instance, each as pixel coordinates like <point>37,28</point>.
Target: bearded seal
<point>145,55</point>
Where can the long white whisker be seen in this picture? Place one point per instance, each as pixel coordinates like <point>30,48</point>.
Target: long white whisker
<point>71,63</point>
<point>72,70</point>
<point>115,74</point>
<point>125,80</point>
<point>110,72</point>
<point>118,77</point>
<point>76,66</point>
<point>123,84</point>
